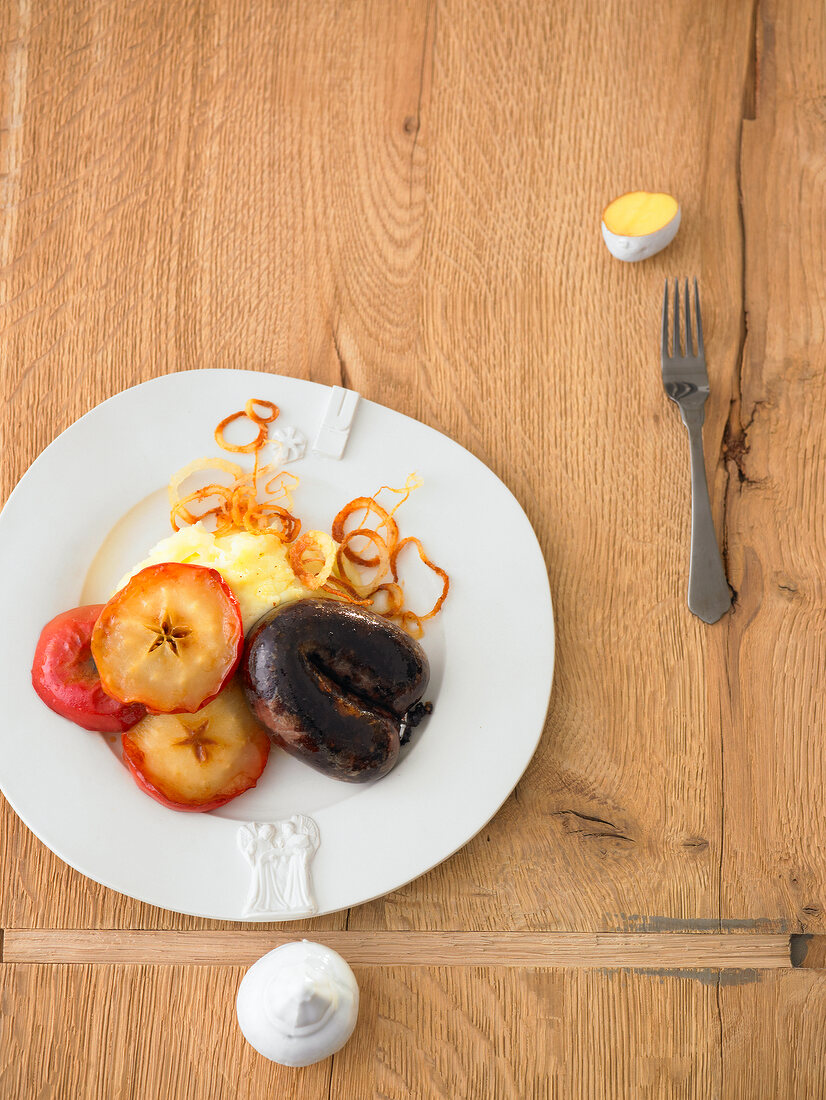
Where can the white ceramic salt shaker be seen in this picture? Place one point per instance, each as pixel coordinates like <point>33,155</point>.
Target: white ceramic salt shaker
<point>298,1004</point>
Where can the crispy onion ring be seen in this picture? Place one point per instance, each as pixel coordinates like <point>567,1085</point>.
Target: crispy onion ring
<point>325,550</point>
<point>238,508</point>
<point>367,505</point>
<point>412,623</point>
<point>260,519</point>
<point>381,562</point>
<point>226,526</point>
<point>241,502</point>
<point>177,479</point>
<point>335,586</point>
<point>395,599</point>
<point>256,418</point>
<point>394,569</point>
<point>180,510</point>
<point>245,448</point>
<point>280,487</point>
<point>412,483</point>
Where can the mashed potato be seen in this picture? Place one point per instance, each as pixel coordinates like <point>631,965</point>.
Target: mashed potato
<point>254,566</point>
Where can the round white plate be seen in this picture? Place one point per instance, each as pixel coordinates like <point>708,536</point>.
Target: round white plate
<point>90,508</point>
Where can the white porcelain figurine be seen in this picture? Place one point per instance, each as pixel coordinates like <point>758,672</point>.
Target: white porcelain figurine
<point>279,853</point>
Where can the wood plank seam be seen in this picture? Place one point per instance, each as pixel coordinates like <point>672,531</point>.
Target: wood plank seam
<point>734,441</point>
<point>656,951</point>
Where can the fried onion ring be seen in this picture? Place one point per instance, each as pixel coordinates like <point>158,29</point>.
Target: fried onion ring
<point>178,478</point>
<point>335,586</point>
<point>381,562</point>
<point>241,448</point>
<point>395,599</point>
<point>325,552</point>
<point>256,418</point>
<point>367,505</point>
<point>394,569</point>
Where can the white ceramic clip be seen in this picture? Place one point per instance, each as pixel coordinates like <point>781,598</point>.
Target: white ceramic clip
<point>338,419</point>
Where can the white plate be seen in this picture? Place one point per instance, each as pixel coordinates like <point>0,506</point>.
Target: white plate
<point>92,505</point>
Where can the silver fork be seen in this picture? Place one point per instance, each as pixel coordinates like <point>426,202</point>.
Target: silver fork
<point>685,379</point>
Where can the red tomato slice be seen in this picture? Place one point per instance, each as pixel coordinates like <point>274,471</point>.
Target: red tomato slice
<point>170,639</point>
<point>65,677</point>
<point>198,761</point>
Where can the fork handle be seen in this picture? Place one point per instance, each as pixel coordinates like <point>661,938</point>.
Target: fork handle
<point>709,596</point>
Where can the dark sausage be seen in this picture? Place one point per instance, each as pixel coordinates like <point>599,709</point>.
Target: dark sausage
<point>333,683</point>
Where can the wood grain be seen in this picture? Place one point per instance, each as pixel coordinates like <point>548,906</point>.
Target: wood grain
<point>545,1034</point>
<point>541,355</point>
<point>669,951</point>
<point>429,260</point>
<point>105,1033</point>
<point>112,1033</point>
<point>388,196</point>
<point>772,1037</point>
<point>774,774</point>
<point>404,198</point>
<point>129,1033</point>
<point>199,185</point>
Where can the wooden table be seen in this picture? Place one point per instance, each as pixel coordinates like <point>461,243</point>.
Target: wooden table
<point>404,197</point>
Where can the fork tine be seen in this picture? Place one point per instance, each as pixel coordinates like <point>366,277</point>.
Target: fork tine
<point>676,340</point>
<point>698,322</point>
<point>665,353</point>
<point>688,347</point>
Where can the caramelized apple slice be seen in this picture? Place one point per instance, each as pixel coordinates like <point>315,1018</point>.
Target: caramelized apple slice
<point>65,677</point>
<point>170,638</point>
<point>198,761</point>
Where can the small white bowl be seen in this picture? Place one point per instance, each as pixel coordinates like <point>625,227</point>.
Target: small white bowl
<point>632,247</point>
<point>298,1004</point>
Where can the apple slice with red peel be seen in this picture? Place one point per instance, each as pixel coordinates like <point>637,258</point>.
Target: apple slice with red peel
<point>171,638</point>
<point>65,677</point>
<point>200,761</point>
